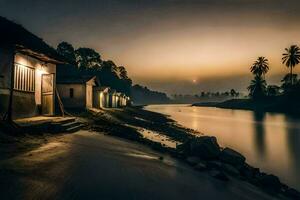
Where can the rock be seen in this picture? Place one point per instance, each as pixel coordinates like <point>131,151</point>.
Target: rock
<point>232,157</point>
<point>201,166</point>
<point>214,164</point>
<point>179,155</point>
<point>205,147</point>
<point>292,193</point>
<point>192,160</point>
<point>184,148</point>
<point>157,147</point>
<point>270,183</point>
<point>230,169</point>
<point>249,172</point>
<point>219,175</point>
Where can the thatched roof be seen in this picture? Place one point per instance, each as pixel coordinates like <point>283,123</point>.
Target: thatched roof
<point>26,42</point>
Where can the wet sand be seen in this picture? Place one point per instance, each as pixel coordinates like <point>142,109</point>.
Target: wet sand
<point>91,165</point>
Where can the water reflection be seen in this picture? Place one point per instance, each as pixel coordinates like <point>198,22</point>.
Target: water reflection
<point>269,141</point>
<point>293,141</point>
<point>259,133</point>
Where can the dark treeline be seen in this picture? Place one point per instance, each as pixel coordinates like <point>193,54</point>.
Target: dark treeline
<point>285,96</point>
<point>89,62</point>
<point>290,84</point>
<point>205,97</point>
<point>278,98</point>
<point>142,95</point>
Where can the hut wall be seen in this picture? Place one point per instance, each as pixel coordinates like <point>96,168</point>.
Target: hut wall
<point>79,95</point>
<point>110,100</point>
<point>89,96</point>
<point>25,103</point>
<point>96,99</point>
<point>106,100</point>
<point>100,99</point>
<point>114,101</point>
<point>103,99</point>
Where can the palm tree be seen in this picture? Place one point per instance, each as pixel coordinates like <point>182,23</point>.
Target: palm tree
<point>273,90</point>
<point>291,58</point>
<point>257,87</point>
<point>260,66</point>
<point>287,81</point>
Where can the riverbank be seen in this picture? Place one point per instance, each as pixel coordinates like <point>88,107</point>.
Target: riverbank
<point>204,155</point>
<point>163,135</point>
<point>92,165</point>
<point>276,104</point>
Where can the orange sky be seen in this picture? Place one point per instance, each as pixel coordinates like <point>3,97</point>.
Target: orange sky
<point>167,44</point>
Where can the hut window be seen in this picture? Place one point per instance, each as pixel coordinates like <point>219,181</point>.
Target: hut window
<point>71,92</point>
<point>24,78</point>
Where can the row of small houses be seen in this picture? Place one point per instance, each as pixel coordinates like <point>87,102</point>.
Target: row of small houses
<point>77,90</point>
<point>31,83</point>
<point>88,93</point>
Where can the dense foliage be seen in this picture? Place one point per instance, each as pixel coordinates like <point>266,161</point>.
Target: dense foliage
<point>89,62</point>
<point>142,95</point>
<point>258,86</point>
<point>272,97</point>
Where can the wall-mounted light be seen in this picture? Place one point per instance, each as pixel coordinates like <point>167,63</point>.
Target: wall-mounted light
<point>41,69</point>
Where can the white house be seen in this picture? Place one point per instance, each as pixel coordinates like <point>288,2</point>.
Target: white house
<point>27,73</point>
<point>101,97</point>
<point>75,89</point>
<point>105,97</point>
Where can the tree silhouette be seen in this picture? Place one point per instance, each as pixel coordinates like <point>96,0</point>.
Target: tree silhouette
<point>232,92</point>
<point>122,72</point>
<point>260,66</point>
<point>257,88</point>
<point>291,58</point>
<point>273,90</point>
<point>287,82</point>
<point>88,62</point>
<point>115,77</point>
<point>143,95</point>
<point>87,58</point>
<point>67,50</point>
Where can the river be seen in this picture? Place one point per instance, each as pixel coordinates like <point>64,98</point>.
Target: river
<point>268,141</point>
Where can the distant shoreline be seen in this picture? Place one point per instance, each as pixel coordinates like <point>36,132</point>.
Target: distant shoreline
<point>271,104</point>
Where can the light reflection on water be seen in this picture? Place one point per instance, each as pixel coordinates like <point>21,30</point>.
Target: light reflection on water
<point>269,141</point>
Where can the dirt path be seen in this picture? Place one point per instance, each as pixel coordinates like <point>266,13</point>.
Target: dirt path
<point>89,165</point>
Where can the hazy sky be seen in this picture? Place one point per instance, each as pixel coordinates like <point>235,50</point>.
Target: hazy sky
<point>166,44</point>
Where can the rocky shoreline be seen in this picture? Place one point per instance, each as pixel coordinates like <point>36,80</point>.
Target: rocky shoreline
<point>201,152</point>
<point>205,154</point>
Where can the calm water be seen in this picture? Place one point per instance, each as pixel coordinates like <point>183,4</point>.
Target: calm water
<point>269,141</point>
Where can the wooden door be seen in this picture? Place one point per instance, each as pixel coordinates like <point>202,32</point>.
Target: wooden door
<point>47,94</point>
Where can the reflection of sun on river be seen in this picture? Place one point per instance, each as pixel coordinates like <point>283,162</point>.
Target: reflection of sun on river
<point>269,141</point>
